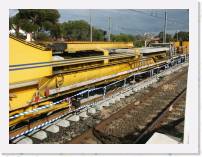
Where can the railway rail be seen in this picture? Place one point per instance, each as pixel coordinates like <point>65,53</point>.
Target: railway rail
<point>71,61</point>
<point>52,118</point>
<point>163,116</point>
<point>130,125</point>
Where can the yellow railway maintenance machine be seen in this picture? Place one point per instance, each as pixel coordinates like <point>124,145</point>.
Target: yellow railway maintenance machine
<point>42,75</point>
<point>182,47</point>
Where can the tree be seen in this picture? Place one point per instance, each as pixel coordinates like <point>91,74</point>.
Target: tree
<point>76,30</point>
<point>56,30</point>
<point>35,20</point>
<point>138,40</point>
<point>98,34</point>
<point>122,37</point>
<point>168,37</point>
<point>182,36</point>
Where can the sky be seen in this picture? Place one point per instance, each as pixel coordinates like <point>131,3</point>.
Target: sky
<point>129,21</point>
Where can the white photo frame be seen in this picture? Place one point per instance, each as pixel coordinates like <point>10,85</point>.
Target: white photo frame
<point>192,102</point>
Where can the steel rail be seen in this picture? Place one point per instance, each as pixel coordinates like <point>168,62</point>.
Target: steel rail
<point>161,116</point>
<point>91,133</point>
<point>46,106</point>
<point>71,61</point>
<point>35,125</point>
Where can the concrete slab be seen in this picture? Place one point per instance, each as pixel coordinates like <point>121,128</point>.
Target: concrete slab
<point>83,114</point>
<point>99,107</point>
<point>140,87</point>
<point>74,118</point>
<point>111,101</point>
<point>33,132</point>
<point>106,104</point>
<point>122,96</point>
<point>127,94</point>
<point>158,138</point>
<point>44,127</point>
<point>131,92</point>
<point>25,140</point>
<point>133,82</point>
<point>18,139</point>
<point>91,110</point>
<point>117,98</point>
<point>40,135</point>
<point>146,86</point>
<point>63,123</point>
<point>53,129</point>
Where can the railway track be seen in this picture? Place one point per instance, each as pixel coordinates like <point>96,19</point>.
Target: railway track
<point>134,123</point>
<point>165,118</point>
<point>95,117</point>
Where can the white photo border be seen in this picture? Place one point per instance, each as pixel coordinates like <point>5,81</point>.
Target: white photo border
<point>192,103</point>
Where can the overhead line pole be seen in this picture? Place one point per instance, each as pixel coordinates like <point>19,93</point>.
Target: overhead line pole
<point>109,31</point>
<point>91,29</point>
<point>165,27</point>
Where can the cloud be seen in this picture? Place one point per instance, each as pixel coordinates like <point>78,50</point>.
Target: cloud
<point>128,21</point>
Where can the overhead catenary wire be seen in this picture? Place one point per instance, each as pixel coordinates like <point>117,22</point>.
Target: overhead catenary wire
<point>170,20</point>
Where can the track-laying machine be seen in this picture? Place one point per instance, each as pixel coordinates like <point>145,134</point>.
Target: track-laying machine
<point>45,77</point>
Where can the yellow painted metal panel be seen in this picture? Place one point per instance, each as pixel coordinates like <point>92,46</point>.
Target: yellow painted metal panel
<point>20,53</point>
<point>21,97</point>
<point>85,75</point>
<point>29,74</point>
<point>177,44</point>
<point>185,44</point>
<point>84,46</point>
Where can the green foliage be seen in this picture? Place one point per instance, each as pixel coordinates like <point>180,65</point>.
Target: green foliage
<point>45,26</point>
<point>80,30</point>
<point>56,31</point>
<point>35,20</point>
<point>181,36</point>
<point>169,37</point>
<point>122,37</point>
<point>138,40</point>
<point>98,34</point>
<point>76,30</point>
<point>41,36</point>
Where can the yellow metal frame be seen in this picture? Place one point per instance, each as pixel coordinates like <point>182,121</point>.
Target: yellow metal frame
<point>22,53</point>
<point>85,46</point>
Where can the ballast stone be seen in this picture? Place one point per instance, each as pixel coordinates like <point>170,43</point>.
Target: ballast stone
<point>53,129</point>
<point>63,123</point>
<point>40,135</point>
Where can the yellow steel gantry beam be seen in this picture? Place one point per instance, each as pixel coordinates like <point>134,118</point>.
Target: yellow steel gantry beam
<point>85,46</point>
